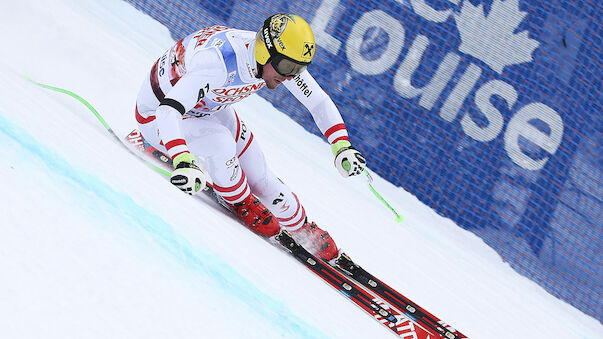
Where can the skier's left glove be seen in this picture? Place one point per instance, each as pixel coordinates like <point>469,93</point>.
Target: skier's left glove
<point>348,160</point>
<point>187,176</point>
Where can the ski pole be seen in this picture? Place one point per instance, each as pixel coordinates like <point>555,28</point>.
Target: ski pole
<point>369,180</point>
<point>399,217</point>
<point>100,118</point>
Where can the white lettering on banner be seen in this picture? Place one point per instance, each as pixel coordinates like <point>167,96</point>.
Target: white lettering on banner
<point>498,46</point>
<point>490,38</point>
<point>430,92</point>
<point>520,126</point>
<point>319,26</point>
<point>495,118</point>
<point>455,100</point>
<point>395,32</point>
<point>428,12</point>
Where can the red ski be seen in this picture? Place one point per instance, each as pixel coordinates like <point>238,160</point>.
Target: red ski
<point>422,318</point>
<point>399,314</point>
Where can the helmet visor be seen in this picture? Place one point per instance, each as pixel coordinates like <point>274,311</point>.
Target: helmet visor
<point>287,67</point>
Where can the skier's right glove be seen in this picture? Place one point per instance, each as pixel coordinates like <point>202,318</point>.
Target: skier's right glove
<point>187,176</point>
<point>348,160</point>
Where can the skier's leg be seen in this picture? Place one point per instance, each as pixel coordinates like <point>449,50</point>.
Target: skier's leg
<point>213,145</point>
<point>213,142</point>
<point>279,198</point>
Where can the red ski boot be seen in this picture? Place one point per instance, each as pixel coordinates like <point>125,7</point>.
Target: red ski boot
<point>316,241</point>
<point>255,215</point>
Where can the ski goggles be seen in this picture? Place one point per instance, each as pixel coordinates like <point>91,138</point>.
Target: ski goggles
<point>287,67</point>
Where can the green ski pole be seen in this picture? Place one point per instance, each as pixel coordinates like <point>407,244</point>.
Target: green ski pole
<point>369,178</point>
<point>100,118</point>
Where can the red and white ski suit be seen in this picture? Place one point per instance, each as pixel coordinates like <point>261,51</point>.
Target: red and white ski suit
<point>185,105</point>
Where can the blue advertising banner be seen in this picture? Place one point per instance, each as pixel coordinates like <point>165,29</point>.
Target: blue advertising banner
<point>487,111</point>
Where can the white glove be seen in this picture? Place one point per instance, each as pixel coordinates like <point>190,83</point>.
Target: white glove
<point>187,176</point>
<point>348,160</point>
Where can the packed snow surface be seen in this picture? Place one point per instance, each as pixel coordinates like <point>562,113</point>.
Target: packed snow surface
<point>94,244</point>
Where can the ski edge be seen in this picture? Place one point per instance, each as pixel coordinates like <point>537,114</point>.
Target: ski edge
<point>379,309</point>
<point>373,301</point>
<point>421,317</point>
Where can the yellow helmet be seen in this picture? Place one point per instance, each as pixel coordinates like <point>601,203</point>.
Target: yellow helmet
<point>287,41</point>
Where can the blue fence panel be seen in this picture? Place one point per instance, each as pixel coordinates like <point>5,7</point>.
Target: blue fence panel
<point>488,112</point>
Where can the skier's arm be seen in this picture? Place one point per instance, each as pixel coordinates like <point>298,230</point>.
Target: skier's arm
<point>204,71</point>
<point>317,101</point>
<point>203,75</point>
<point>348,160</point>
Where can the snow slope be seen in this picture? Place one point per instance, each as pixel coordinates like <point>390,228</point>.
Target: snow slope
<point>94,244</point>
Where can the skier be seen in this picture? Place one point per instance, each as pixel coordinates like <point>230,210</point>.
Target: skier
<point>184,108</point>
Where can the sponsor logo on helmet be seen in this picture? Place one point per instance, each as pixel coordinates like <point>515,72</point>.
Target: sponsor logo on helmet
<point>266,36</point>
<point>308,50</point>
<point>280,43</point>
<point>278,24</point>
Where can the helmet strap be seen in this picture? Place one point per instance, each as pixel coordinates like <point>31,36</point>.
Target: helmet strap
<point>267,37</point>
<point>268,42</point>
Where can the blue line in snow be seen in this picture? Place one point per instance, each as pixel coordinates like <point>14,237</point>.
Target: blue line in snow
<point>164,235</point>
